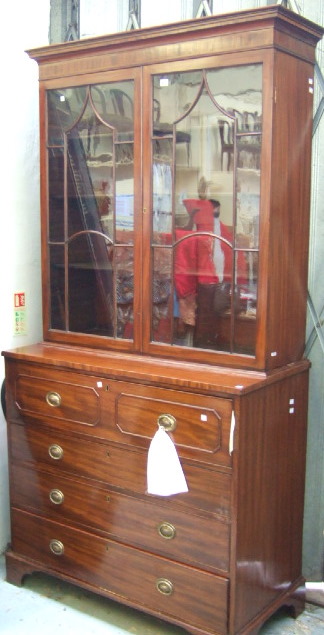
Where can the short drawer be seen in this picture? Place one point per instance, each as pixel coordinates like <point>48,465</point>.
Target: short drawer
<point>199,424</point>
<point>168,589</point>
<point>61,397</point>
<point>184,537</point>
<point>121,467</point>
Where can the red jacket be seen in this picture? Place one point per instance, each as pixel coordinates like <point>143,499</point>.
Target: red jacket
<point>194,261</point>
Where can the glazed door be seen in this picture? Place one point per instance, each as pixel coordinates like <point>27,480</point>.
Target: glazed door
<point>179,265</point>
<point>94,211</point>
<point>204,203</point>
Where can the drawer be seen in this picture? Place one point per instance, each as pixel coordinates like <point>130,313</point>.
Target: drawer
<point>184,537</point>
<point>65,398</point>
<point>200,424</point>
<point>124,412</point>
<point>121,467</point>
<point>168,589</point>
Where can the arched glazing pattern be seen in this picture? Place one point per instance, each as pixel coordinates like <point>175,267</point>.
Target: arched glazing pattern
<point>206,147</point>
<point>91,208</point>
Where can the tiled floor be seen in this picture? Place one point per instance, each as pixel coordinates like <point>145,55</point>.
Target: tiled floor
<point>51,607</point>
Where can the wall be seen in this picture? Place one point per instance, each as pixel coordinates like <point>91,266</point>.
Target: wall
<point>19,213</point>
<point>314,500</point>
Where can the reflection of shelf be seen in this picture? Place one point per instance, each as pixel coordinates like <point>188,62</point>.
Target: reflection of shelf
<point>252,171</point>
<point>187,168</point>
<point>86,266</point>
<point>109,164</point>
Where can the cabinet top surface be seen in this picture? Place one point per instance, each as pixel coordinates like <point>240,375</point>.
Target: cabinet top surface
<point>155,371</point>
<point>273,16</point>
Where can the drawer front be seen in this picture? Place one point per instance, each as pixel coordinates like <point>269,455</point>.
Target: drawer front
<point>121,467</point>
<point>200,424</point>
<point>149,582</point>
<point>184,537</point>
<point>70,401</point>
<point>124,412</point>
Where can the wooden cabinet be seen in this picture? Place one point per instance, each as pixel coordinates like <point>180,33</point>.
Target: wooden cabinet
<point>175,169</point>
<point>216,559</point>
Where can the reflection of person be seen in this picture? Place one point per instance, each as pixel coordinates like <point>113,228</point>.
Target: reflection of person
<point>214,255</point>
<point>202,259</point>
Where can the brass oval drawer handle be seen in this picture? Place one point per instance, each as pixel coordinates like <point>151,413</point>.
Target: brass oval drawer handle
<point>168,422</point>
<point>166,530</point>
<point>55,451</point>
<point>56,496</point>
<point>53,399</point>
<point>56,547</point>
<point>164,586</point>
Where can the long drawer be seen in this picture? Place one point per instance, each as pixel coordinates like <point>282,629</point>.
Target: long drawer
<point>123,412</point>
<point>122,467</point>
<point>168,589</point>
<point>185,537</point>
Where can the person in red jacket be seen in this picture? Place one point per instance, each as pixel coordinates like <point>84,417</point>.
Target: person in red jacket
<point>213,261</point>
<point>204,257</point>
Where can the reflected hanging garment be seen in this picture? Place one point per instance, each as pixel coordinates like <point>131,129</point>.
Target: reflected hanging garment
<point>165,476</point>
<point>162,199</point>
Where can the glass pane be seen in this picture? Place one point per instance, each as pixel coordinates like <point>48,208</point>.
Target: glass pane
<point>162,189</point>
<point>64,107</point>
<point>91,203</point>
<point>238,91</point>
<point>161,295</point>
<point>249,151</point>
<point>124,267</point>
<point>125,192</point>
<point>57,287</point>
<point>247,208</point>
<point>56,194</point>
<point>245,331</point>
<point>84,183</point>
<point>114,103</point>
<point>174,93</point>
<point>210,189</point>
<point>90,285</point>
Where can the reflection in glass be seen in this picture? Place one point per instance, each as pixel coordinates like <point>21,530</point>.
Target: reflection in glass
<point>64,108</point>
<point>210,188</point>
<point>162,188</point>
<point>56,194</point>
<point>90,285</point>
<point>91,204</point>
<point>162,294</point>
<point>57,287</point>
<point>124,268</point>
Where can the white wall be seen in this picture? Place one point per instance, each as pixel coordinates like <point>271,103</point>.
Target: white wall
<point>24,24</point>
<point>314,505</point>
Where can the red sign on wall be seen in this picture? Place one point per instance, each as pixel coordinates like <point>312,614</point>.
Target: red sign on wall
<point>20,324</point>
<point>19,300</point>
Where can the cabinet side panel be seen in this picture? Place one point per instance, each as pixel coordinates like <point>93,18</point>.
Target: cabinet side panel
<point>290,201</point>
<point>270,494</point>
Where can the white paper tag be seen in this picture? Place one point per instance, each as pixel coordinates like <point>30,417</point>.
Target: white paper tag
<point>165,476</point>
<point>232,430</point>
